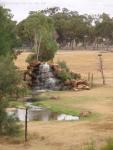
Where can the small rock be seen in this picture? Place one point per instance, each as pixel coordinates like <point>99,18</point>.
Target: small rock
<point>83,87</point>
<point>75,89</point>
<point>86,88</point>
<point>54,97</point>
<point>85,113</point>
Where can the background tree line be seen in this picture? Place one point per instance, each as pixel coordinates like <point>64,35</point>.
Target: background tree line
<point>69,28</point>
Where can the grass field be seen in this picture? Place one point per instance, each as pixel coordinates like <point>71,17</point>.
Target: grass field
<point>82,62</point>
<point>71,135</point>
<point>85,62</point>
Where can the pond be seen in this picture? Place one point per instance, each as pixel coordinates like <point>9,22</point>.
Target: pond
<point>36,113</point>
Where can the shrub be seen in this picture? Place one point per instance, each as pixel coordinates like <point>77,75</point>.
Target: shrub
<point>63,65</point>
<point>9,125</point>
<point>75,76</point>
<point>10,85</point>
<point>46,53</point>
<point>48,49</point>
<point>63,75</point>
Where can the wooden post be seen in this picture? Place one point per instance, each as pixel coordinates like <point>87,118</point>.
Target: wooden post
<point>26,114</point>
<point>101,68</point>
<point>92,77</point>
<point>88,76</point>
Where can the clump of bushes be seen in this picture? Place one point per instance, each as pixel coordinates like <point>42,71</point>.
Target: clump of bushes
<point>65,73</point>
<point>11,85</point>
<point>9,125</point>
<point>63,65</point>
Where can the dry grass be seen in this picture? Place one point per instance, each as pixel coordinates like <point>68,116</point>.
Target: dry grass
<point>81,62</point>
<point>74,135</point>
<point>20,62</point>
<point>84,62</point>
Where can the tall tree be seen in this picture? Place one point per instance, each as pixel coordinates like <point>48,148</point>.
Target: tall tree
<point>8,39</point>
<point>39,29</point>
<point>10,84</point>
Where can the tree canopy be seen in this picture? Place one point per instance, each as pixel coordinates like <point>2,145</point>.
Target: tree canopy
<point>8,38</point>
<point>74,27</point>
<point>37,31</point>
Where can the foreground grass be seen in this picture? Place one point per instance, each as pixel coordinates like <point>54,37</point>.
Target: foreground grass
<point>107,146</point>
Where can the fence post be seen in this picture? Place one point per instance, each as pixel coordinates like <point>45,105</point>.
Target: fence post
<point>88,76</point>
<point>92,78</point>
<point>101,68</point>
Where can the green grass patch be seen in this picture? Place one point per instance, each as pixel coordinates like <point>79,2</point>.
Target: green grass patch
<point>16,104</point>
<point>58,108</point>
<point>67,104</point>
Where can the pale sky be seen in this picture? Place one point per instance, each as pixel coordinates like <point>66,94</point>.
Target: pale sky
<point>21,8</point>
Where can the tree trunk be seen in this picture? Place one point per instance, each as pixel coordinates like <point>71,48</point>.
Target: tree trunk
<point>37,45</point>
<point>38,50</point>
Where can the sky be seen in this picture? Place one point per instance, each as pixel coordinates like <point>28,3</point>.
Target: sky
<point>20,8</point>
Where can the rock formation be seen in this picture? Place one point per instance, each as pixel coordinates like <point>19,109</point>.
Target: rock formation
<point>41,75</point>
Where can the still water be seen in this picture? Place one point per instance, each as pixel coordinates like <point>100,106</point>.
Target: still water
<point>36,113</point>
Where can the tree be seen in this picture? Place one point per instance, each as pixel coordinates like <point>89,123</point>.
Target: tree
<point>48,48</point>
<point>70,26</point>
<point>8,38</point>
<point>10,83</point>
<point>104,29</point>
<point>39,29</point>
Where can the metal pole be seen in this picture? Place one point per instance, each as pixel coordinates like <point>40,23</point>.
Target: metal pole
<point>26,114</point>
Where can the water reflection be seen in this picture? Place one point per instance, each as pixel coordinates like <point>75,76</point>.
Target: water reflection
<point>41,114</point>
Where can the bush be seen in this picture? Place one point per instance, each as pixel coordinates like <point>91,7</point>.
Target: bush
<point>75,76</point>
<point>9,125</point>
<point>63,75</point>
<point>63,65</point>
<point>10,85</point>
<point>48,49</point>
